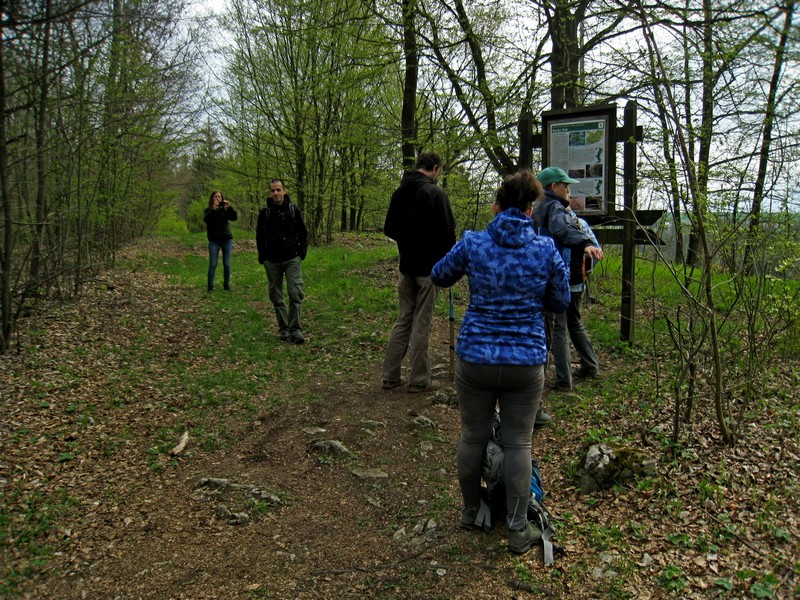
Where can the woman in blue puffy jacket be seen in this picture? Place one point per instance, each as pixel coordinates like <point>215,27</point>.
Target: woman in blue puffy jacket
<point>514,274</point>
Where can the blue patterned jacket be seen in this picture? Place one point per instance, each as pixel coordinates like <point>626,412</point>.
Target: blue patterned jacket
<point>513,275</point>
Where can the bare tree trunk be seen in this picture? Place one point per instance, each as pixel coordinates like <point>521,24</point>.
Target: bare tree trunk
<point>5,202</point>
<point>408,116</point>
<point>766,139</point>
<point>564,59</point>
<point>701,207</point>
<point>41,156</point>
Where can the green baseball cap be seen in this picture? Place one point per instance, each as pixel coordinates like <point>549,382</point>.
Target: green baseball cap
<point>554,175</point>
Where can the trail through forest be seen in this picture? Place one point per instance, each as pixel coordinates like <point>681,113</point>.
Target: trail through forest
<point>89,418</point>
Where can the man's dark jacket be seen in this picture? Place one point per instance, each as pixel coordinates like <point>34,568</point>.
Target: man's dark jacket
<point>421,221</point>
<point>551,217</point>
<point>281,233</point>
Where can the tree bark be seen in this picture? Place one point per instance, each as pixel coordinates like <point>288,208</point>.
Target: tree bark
<point>408,117</point>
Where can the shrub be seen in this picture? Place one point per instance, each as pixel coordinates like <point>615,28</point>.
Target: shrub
<point>194,215</point>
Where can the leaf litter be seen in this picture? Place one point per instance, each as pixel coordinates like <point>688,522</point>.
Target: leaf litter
<point>89,415</point>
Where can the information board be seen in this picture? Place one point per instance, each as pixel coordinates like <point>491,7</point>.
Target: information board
<point>581,141</point>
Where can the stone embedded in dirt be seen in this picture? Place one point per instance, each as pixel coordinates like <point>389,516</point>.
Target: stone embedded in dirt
<point>332,448</point>
<point>424,531</point>
<point>270,499</point>
<point>232,518</point>
<point>213,482</point>
<point>370,424</point>
<point>370,474</point>
<point>239,519</point>
<point>446,396</point>
<point>422,421</point>
<point>217,485</point>
<point>609,464</point>
<point>313,430</point>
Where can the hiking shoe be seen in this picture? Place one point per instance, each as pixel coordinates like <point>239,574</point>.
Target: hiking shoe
<point>542,418</point>
<point>468,517</point>
<point>297,338</point>
<point>431,387</point>
<point>284,335</point>
<point>585,373</point>
<point>562,387</point>
<point>519,542</point>
<point>390,385</point>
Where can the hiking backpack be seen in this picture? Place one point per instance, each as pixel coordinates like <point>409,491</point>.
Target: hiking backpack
<point>494,500</point>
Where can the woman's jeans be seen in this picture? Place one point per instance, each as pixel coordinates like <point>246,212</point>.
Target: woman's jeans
<point>518,391</point>
<point>213,257</point>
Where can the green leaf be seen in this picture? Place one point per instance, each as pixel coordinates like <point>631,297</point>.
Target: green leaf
<point>724,583</point>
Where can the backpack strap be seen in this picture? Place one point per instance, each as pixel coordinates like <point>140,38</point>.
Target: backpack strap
<point>541,517</point>
<point>292,211</point>
<point>483,519</point>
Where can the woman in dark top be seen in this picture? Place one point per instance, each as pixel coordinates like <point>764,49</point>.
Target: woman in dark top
<point>217,216</point>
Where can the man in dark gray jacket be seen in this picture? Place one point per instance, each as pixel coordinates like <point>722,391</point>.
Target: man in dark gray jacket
<point>551,217</point>
<point>421,221</point>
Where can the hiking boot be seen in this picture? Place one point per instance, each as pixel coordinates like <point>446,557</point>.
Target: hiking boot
<point>542,418</point>
<point>584,373</point>
<point>390,385</point>
<point>468,517</point>
<point>519,542</point>
<point>431,387</point>
<point>297,338</point>
<point>561,387</point>
<point>284,335</point>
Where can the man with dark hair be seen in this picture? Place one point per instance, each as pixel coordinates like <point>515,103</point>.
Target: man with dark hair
<point>282,241</point>
<point>421,221</point>
<point>552,217</point>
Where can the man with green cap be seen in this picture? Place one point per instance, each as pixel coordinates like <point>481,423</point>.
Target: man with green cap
<point>551,217</point>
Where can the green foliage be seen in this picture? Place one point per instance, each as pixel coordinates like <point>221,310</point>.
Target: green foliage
<point>765,586</point>
<point>724,583</point>
<point>194,215</point>
<point>672,579</point>
<point>680,539</point>
<point>171,225</point>
<point>605,537</point>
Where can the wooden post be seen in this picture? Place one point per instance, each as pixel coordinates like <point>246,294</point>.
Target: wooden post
<point>629,224</point>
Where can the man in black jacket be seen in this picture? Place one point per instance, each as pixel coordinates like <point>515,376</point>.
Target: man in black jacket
<point>282,240</point>
<point>421,221</point>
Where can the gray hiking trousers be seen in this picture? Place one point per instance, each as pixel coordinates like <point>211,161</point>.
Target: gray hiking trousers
<point>411,331</point>
<point>518,392</point>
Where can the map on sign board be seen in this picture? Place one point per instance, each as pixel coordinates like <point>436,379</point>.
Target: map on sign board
<point>579,147</point>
